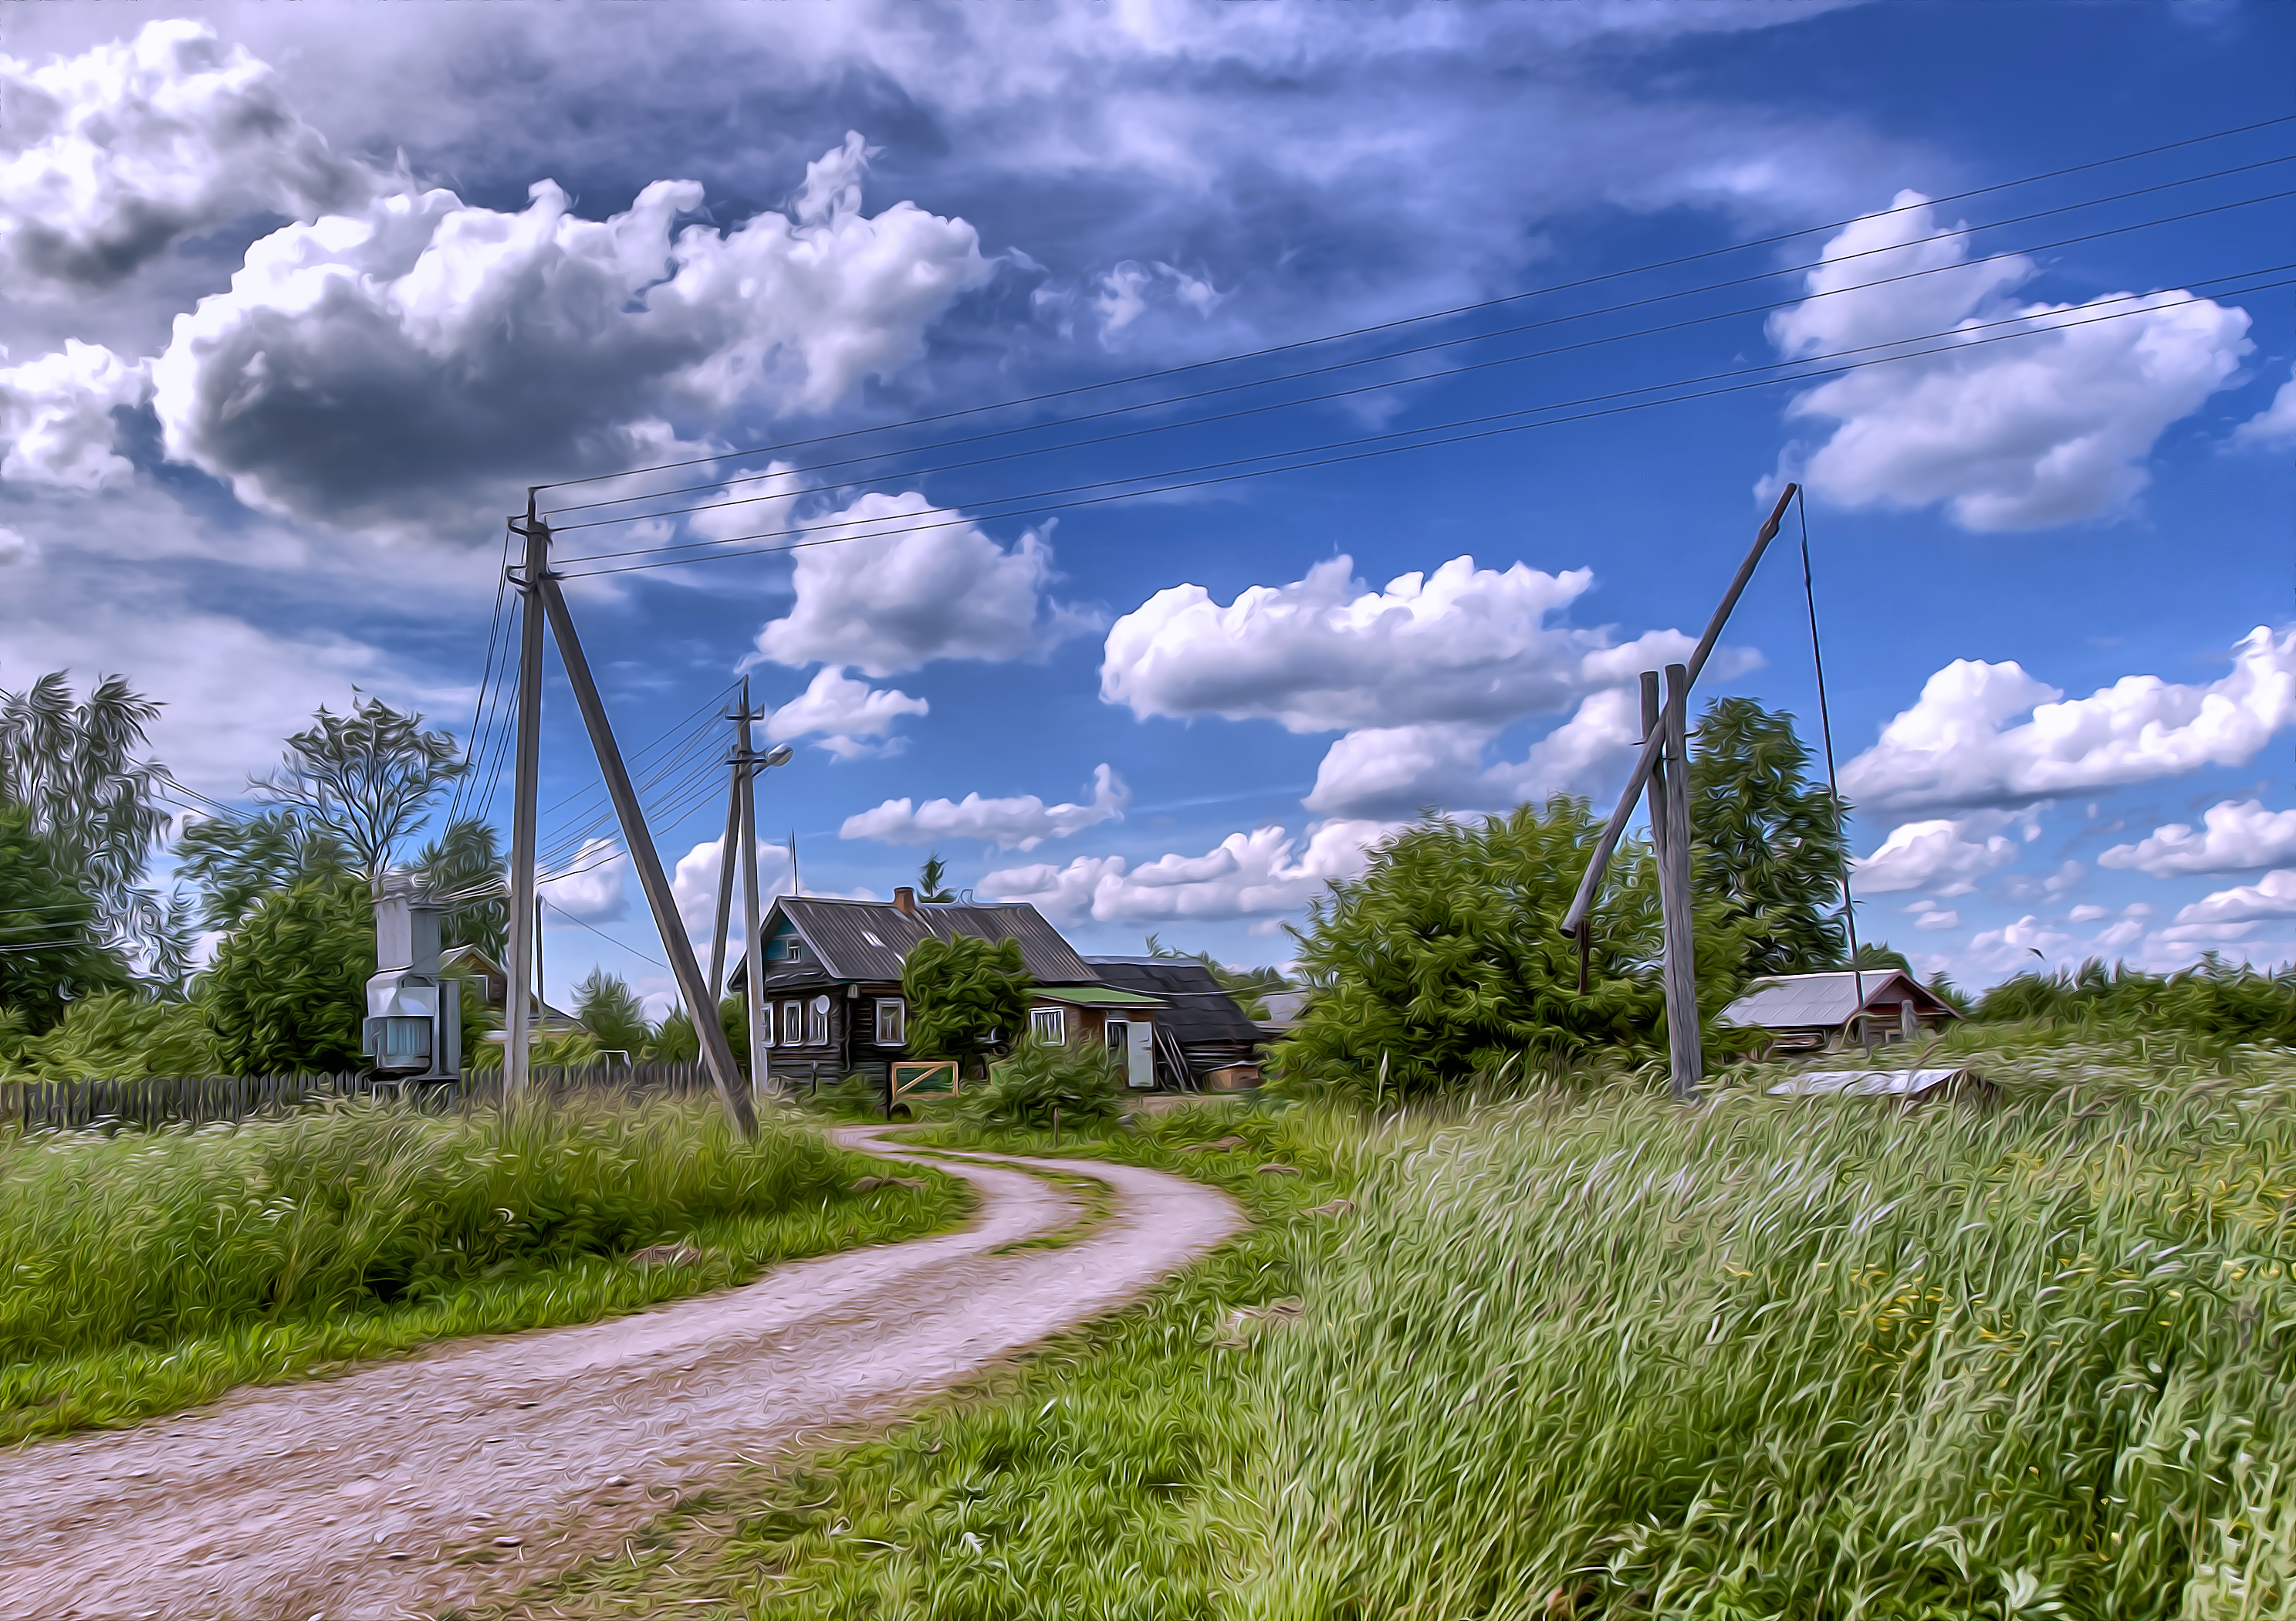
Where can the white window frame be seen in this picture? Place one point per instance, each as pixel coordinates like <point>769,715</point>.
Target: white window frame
<point>793,1023</point>
<point>1049,1025</point>
<point>892,1022</point>
<point>816,1021</point>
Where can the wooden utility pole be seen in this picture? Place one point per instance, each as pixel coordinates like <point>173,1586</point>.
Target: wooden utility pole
<point>724,884</point>
<point>524,792</point>
<point>745,777</point>
<point>715,1052</point>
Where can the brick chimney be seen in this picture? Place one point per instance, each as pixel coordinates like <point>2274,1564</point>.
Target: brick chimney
<point>904,899</point>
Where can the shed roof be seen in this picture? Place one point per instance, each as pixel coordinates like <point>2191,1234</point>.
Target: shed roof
<point>1200,1009</point>
<point>1827,1001</point>
<point>1914,1083</point>
<point>1096,996</point>
<point>869,940</point>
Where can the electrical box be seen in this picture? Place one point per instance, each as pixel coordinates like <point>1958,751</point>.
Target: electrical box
<point>413,1030</point>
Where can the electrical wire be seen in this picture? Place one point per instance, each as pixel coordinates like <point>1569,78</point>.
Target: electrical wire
<point>1425,377</point>
<point>1432,314</point>
<point>602,934</point>
<point>658,560</point>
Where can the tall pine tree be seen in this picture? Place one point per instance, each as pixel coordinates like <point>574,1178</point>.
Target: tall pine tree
<point>1768,843</point>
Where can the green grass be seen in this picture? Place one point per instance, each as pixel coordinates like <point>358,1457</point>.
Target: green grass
<point>147,1271</point>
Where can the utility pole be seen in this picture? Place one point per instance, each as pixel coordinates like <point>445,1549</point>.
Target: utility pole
<point>715,1050</point>
<point>726,881</point>
<point>524,793</point>
<point>753,981</point>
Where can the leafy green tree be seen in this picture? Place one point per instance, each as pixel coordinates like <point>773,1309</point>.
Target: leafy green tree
<point>609,1011</point>
<point>1041,1076</point>
<point>932,880</point>
<point>117,1035</point>
<point>964,994</point>
<point>368,778</point>
<point>465,866</point>
<point>237,863</point>
<point>1447,961</point>
<point>674,1040</point>
<point>78,769</point>
<point>1768,843</point>
<point>51,950</point>
<point>287,990</point>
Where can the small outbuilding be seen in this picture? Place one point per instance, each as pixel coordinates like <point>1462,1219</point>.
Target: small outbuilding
<point>1807,1013</point>
<point>1204,1041</point>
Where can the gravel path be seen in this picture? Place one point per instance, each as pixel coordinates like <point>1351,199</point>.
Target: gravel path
<point>412,1487</point>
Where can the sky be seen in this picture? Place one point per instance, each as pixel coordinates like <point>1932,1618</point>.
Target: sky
<point>1147,453</point>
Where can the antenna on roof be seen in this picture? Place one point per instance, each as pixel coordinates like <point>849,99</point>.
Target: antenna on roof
<point>796,888</point>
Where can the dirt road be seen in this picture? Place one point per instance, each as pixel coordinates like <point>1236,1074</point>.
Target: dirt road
<point>396,1491</point>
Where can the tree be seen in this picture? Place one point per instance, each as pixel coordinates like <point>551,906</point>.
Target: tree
<point>965,995</point>
<point>465,866</point>
<point>52,949</point>
<point>237,863</point>
<point>1446,960</point>
<point>609,1009</point>
<point>287,990</point>
<point>932,880</point>
<point>116,1035</point>
<point>1768,843</point>
<point>76,770</point>
<point>366,777</point>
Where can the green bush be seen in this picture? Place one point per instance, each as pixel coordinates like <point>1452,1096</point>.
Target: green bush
<point>117,1035</point>
<point>963,993</point>
<point>48,928</point>
<point>288,990</point>
<point>2213,999</point>
<point>1083,1083</point>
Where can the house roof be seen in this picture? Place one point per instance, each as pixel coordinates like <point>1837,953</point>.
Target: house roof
<point>1094,996</point>
<point>1875,1083</point>
<point>1199,1010</point>
<point>1827,1001</point>
<point>869,940</point>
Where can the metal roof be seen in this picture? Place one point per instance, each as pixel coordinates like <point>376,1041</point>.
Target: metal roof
<point>1827,1001</point>
<point>1200,1010</point>
<point>1096,996</point>
<point>869,940</point>
<point>1874,1083</point>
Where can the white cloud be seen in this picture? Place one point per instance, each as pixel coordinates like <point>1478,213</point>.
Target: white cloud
<point>109,157</point>
<point>2276,425</point>
<point>2018,945</point>
<point>2120,933</point>
<point>1935,917</point>
<point>423,334</point>
<point>1383,772</point>
<point>1954,747</point>
<point>2229,913</point>
<point>1260,874</point>
<point>2011,435</point>
<point>2236,837</point>
<point>695,885</point>
<point>15,547</point>
<point>1020,823</point>
<point>1945,857</point>
<point>2087,913</point>
<point>592,890</point>
<point>886,602</point>
<point>846,711</point>
<point>1326,653</point>
<point>55,417</point>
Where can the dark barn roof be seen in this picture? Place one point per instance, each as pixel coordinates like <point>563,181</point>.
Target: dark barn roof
<point>1197,1008</point>
<point>869,940</point>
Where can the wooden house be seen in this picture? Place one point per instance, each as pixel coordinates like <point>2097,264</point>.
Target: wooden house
<point>832,985</point>
<point>1204,1040</point>
<point>1807,1013</point>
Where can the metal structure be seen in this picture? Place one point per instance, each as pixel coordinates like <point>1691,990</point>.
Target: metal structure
<point>542,601</point>
<point>1663,770</point>
<point>742,845</point>
<point>412,1030</point>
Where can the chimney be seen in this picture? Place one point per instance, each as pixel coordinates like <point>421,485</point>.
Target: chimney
<point>905,899</point>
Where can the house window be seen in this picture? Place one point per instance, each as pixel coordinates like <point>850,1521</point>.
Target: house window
<point>793,1023</point>
<point>1049,1025</point>
<point>817,1023</point>
<point>892,1021</point>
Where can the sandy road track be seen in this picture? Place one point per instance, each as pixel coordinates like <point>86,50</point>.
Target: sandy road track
<point>389,1492</point>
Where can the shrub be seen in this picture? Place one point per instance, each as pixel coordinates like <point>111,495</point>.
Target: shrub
<point>47,923</point>
<point>963,993</point>
<point>117,1035</point>
<point>1040,1076</point>
<point>288,990</point>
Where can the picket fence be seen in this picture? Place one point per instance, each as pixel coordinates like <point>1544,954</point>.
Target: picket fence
<point>152,1100</point>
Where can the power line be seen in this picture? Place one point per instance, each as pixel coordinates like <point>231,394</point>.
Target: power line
<point>1803,375</point>
<point>602,934</point>
<point>1476,337</point>
<point>1430,315</point>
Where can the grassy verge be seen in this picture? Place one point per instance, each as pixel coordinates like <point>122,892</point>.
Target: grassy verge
<point>1098,1479</point>
<point>146,1273</point>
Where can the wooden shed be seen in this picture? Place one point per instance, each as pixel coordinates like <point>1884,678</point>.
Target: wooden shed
<point>1807,1013</point>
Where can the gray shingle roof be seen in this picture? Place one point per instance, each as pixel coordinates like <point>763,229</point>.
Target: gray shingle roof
<point>1825,1002</point>
<point>869,940</point>
<point>1199,1010</point>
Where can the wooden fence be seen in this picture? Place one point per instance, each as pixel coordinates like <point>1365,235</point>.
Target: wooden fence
<point>151,1100</point>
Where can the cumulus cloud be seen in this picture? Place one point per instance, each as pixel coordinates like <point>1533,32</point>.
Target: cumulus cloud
<point>1262,874</point>
<point>2014,435</point>
<point>591,889</point>
<point>2229,913</point>
<point>695,885</point>
<point>1020,823</point>
<point>109,157</point>
<point>846,711</point>
<point>1942,856</point>
<point>2017,944</point>
<point>1384,771</point>
<point>2235,836</point>
<point>422,341</point>
<point>2276,425</point>
<point>890,602</point>
<point>1955,745</point>
<point>56,421</point>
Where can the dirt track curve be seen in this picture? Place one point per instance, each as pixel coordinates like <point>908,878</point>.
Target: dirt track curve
<point>383,1494</point>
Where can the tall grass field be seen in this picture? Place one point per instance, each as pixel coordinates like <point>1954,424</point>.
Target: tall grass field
<point>144,1272</point>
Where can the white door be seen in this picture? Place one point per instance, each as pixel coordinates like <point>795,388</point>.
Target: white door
<point>1140,1054</point>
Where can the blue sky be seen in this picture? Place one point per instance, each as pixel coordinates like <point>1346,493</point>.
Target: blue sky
<point>297,302</point>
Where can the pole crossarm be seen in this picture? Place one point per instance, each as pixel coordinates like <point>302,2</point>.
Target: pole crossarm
<point>1574,921</point>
